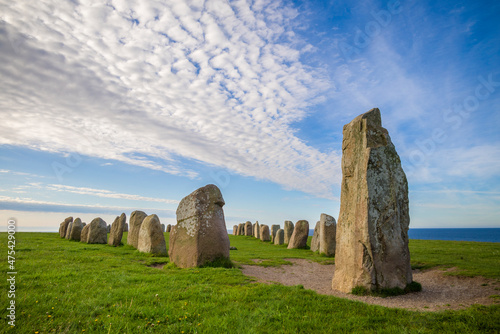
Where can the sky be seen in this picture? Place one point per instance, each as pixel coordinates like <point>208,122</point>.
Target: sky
<point>115,106</point>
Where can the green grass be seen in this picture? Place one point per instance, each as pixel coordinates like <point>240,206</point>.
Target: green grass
<point>70,287</point>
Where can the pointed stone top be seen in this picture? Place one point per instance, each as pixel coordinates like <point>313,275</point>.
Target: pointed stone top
<point>372,117</point>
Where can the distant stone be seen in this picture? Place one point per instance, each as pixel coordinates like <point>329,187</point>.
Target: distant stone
<point>76,230</point>
<point>136,219</point>
<point>264,233</point>
<point>241,229</point>
<point>169,228</point>
<point>84,224</point>
<point>97,233</point>
<point>235,230</point>
<point>248,229</point>
<point>163,228</point>
<point>288,231</point>
<point>116,234</point>
<point>256,230</point>
<point>151,237</point>
<point>315,239</point>
<point>233,248</point>
<point>274,229</point>
<point>125,227</point>
<point>327,234</point>
<point>279,238</point>
<point>300,234</point>
<point>200,235</point>
<point>64,227</point>
<point>84,236</point>
<point>68,229</point>
<point>108,228</point>
<point>372,232</point>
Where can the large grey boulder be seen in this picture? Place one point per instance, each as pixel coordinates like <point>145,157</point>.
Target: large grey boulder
<point>84,236</point>
<point>288,231</point>
<point>256,230</point>
<point>264,233</point>
<point>372,231</point>
<point>327,235</point>
<point>300,234</point>
<point>116,233</point>
<point>200,235</point>
<point>76,230</point>
<point>274,229</point>
<point>248,229</point>
<point>279,238</point>
<point>97,233</point>
<point>151,237</point>
<point>136,219</point>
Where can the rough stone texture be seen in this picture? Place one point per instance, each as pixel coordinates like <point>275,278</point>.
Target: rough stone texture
<point>83,225</point>
<point>279,238</point>
<point>235,230</point>
<point>288,231</point>
<point>136,219</point>
<point>84,236</point>
<point>97,233</point>
<point>274,229</point>
<point>200,235</point>
<point>241,229</point>
<point>163,228</point>
<point>327,234</point>
<point>315,239</point>
<point>372,233</point>
<point>116,234</point>
<point>299,235</point>
<point>169,228</point>
<point>264,233</point>
<point>68,229</point>
<point>64,226</point>
<point>256,230</point>
<point>151,237</point>
<point>108,228</point>
<point>76,229</point>
<point>248,229</point>
<point>125,228</point>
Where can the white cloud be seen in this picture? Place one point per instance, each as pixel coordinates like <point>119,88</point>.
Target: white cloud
<point>148,83</point>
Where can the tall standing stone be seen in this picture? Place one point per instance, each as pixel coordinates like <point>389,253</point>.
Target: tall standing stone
<point>151,237</point>
<point>288,231</point>
<point>76,230</point>
<point>300,234</point>
<point>256,230</point>
<point>248,229</point>
<point>169,228</point>
<point>274,229</point>
<point>241,229</point>
<point>279,238</point>
<point>64,227</point>
<point>372,232</point>
<point>116,234</point>
<point>97,233</point>
<point>327,234</point>
<point>200,235</point>
<point>84,236</point>
<point>264,233</point>
<point>315,239</point>
<point>136,219</point>
<point>235,230</point>
<point>163,228</point>
<point>125,228</point>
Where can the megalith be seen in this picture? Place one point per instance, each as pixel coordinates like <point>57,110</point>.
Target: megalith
<point>235,229</point>
<point>64,227</point>
<point>264,233</point>
<point>327,234</point>
<point>288,231</point>
<point>274,229</point>
<point>136,219</point>
<point>299,235</point>
<point>248,229</point>
<point>256,230</point>
<point>84,236</point>
<point>116,234</point>
<point>151,237</point>
<point>97,233</point>
<point>315,239</point>
<point>76,230</point>
<point>279,238</point>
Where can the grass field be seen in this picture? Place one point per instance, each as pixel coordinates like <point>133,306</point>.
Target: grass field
<point>69,287</point>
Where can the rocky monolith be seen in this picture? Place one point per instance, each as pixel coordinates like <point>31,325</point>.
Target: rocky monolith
<point>241,229</point>
<point>315,239</point>
<point>235,229</point>
<point>116,234</point>
<point>169,228</point>
<point>248,229</point>
<point>97,233</point>
<point>327,234</point>
<point>288,231</point>
<point>264,233</point>
<point>64,226</point>
<point>68,229</point>
<point>256,230</point>
<point>200,235</point>
<point>299,235</point>
<point>76,230</point>
<point>136,219</point>
<point>279,238</point>
<point>151,237</point>
<point>372,230</point>
<point>84,236</point>
<point>274,229</point>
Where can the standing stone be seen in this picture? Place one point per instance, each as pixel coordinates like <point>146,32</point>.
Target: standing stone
<point>279,238</point>
<point>288,231</point>
<point>151,237</point>
<point>315,239</point>
<point>97,233</point>
<point>274,229</point>
<point>68,230</point>
<point>76,230</point>
<point>248,229</point>
<point>235,230</point>
<point>300,234</point>
<point>241,229</point>
<point>84,224</point>
<point>125,227</point>
<point>136,219</point>
<point>116,234</point>
<point>84,236</point>
<point>64,226</point>
<point>327,234</point>
<point>163,228</point>
<point>372,233</point>
<point>256,230</point>
<point>108,228</point>
<point>169,228</point>
<point>200,235</point>
<point>264,233</point>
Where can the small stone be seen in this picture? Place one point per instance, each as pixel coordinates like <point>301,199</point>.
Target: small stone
<point>233,248</point>
<point>300,234</point>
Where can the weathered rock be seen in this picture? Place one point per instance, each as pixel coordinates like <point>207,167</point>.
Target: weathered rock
<point>68,229</point>
<point>97,233</point>
<point>315,239</point>
<point>64,227</point>
<point>256,230</point>
<point>163,229</point>
<point>264,233</point>
<point>235,230</point>
<point>327,234</point>
<point>299,235</point>
<point>116,234</point>
<point>241,229</point>
<point>84,236</point>
<point>76,229</point>
<point>136,219</point>
<point>288,231</point>
<point>279,238</point>
<point>151,237</point>
<point>248,229</point>
<point>108,228</point>
<point>125,228</point>
<point>84,224</point>
<point>372,233</point>
<point>200,235</point>
<point>274,229</point>
<point>169,228</point>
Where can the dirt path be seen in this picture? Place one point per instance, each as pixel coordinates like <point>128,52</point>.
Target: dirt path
<point>439,291</point>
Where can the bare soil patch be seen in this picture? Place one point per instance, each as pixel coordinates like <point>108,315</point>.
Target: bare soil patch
<point>439,291</point>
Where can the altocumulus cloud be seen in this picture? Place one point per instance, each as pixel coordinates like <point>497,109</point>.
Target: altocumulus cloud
<point>156,83</point>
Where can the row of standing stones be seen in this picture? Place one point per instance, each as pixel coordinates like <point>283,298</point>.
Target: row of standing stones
<point>371,237</point>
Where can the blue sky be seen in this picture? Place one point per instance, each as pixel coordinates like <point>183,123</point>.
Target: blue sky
<point>131,105</point>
